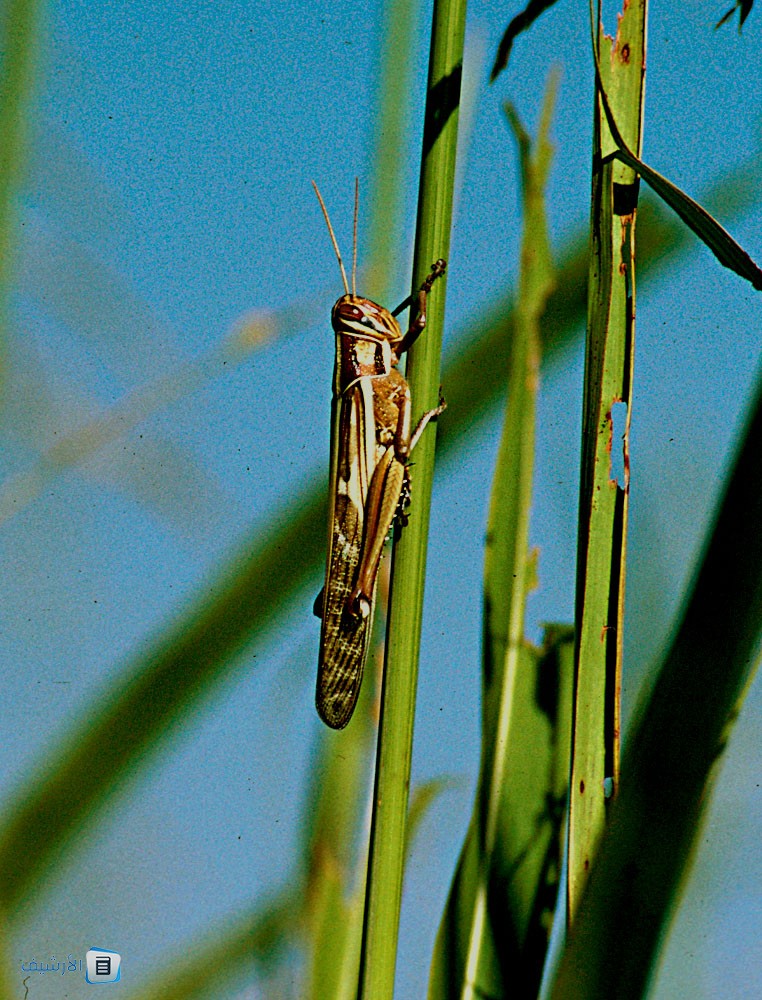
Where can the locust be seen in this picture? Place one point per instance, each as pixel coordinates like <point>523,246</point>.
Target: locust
<point>371,443</point>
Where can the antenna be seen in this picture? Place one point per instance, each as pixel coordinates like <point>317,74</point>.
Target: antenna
<point>333,239</point>
<point>354,238</point>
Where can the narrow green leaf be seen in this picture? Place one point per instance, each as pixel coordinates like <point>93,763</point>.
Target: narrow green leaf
<point>335,851</point>
<point>507,530</point>
<point>331,932</point>
<point>727,251</point>
<point>20,45</point>
<point>403,19</point>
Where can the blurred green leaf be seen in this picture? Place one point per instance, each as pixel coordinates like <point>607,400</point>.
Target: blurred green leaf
<point>392,146</point>
<point>255,941</point>
<point>335,849</point>
<point>422,799</point>
<point>21,42</point>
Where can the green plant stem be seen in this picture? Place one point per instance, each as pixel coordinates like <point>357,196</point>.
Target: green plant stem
<point>604,501</point>
<point>388,833</point>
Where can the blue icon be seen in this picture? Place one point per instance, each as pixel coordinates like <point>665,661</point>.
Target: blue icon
<point>103,966</point>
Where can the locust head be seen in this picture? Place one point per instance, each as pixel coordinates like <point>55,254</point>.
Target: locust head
<point>364,318</point>
<point>370,335</point>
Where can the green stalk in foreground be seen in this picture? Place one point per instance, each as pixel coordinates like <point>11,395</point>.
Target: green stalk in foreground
<point>388,832</point>
<point>603,493</point>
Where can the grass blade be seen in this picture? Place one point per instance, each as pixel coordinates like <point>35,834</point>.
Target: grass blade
<point>335,856</point>
<point>744,8</point>
<point>403,20</point>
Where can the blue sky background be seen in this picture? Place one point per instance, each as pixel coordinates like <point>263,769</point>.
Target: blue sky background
<point>168,198</point>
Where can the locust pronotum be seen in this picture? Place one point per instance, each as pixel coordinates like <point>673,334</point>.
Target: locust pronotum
<point>371,442</point>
